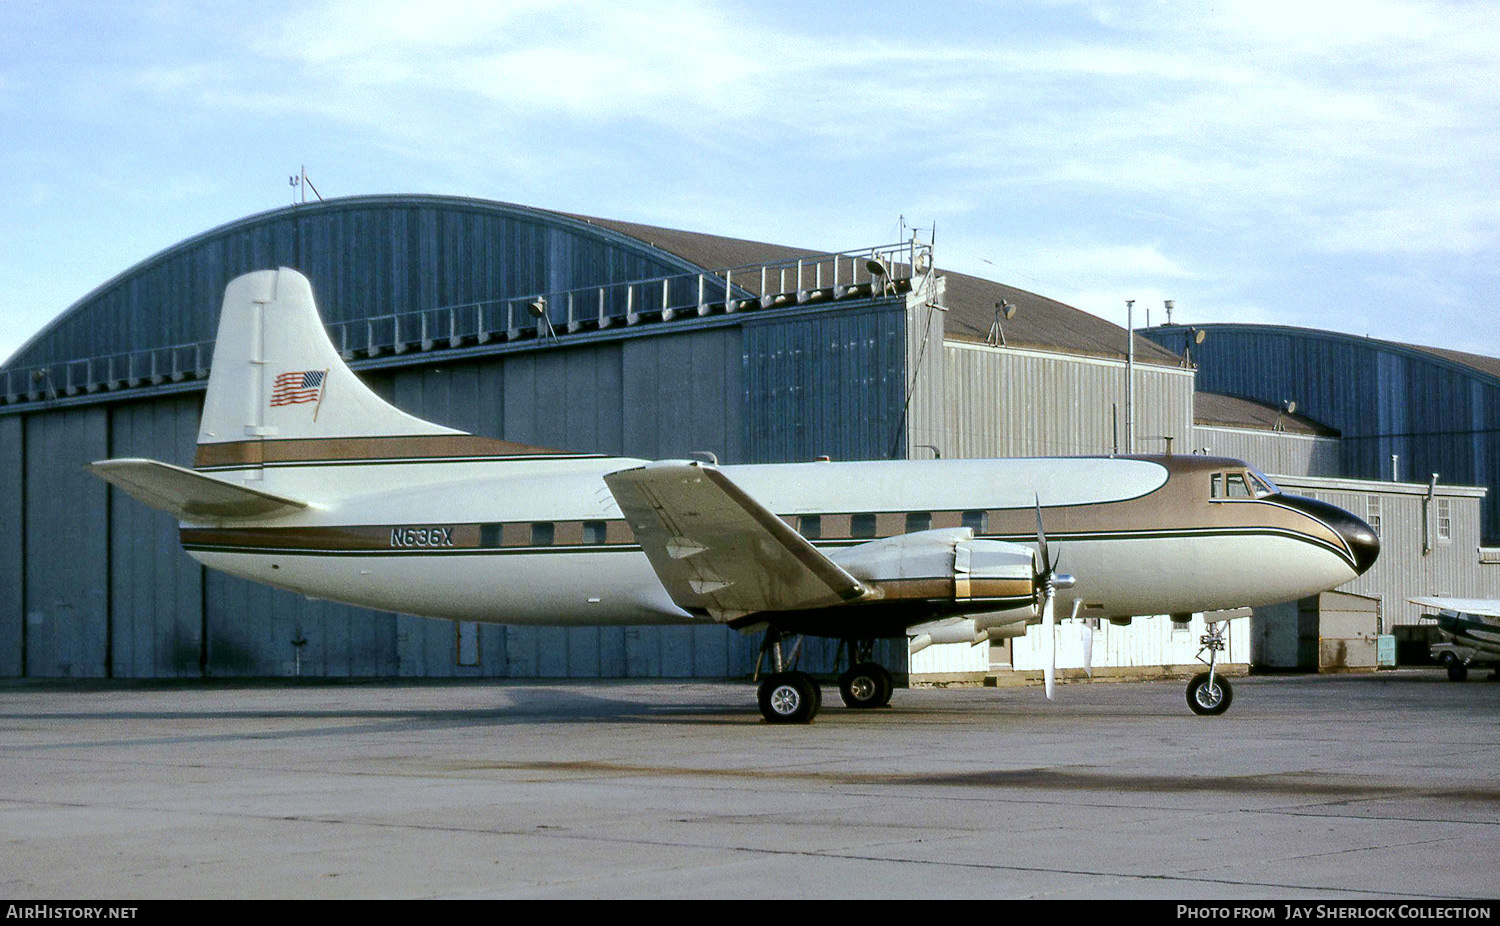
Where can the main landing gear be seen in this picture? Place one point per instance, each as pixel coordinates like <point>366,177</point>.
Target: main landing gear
<point>1209,693</point>
<point>790,696</point>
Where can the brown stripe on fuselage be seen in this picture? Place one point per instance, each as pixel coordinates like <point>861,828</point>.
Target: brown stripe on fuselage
<point>1182,505</point>
<point>360,449</point>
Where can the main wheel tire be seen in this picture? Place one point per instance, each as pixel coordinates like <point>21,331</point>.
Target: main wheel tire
<point>789,697</point>
<point>867,685</point>
<point>1209,701</point>
<point>1457,671</point>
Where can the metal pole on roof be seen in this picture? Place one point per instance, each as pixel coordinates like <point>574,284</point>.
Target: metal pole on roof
<point>1130,376</point>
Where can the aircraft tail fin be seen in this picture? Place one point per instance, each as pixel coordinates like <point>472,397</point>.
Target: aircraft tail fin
<point>277,376</point>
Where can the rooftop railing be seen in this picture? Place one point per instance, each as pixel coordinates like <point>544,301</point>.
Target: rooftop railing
<point>548,317</point>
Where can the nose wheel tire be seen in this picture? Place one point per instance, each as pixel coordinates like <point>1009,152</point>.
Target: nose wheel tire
<point>867,685</point>
<point>1457,671</point>
<point>1209,700</point>
<point>789,697</point>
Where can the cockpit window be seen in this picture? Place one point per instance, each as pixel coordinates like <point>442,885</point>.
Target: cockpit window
<point>1243,484</point>
<point>1260,484</point>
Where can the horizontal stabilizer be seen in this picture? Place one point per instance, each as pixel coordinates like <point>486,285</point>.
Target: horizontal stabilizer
<point>190,495</point>
<point>719,551</point>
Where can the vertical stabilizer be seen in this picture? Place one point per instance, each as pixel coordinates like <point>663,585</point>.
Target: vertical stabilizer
<point>277,376</point>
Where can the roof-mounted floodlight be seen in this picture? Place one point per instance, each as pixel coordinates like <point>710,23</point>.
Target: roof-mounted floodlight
<point>1003,309</point>
<point>879,271</point>
<point>538,310</point>
<point>1287,407</point>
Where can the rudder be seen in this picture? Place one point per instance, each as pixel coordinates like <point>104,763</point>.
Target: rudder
<point>276,375</point>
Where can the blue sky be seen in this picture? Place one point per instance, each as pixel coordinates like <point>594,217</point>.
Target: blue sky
<point>1332,165</point>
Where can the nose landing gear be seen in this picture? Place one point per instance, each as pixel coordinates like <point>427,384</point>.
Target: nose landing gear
<point>1209,694</point>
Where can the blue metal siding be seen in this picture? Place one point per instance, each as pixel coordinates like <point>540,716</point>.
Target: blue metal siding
<point>1437,416</point>
<point>156,590</point>
<point>67,554</point>
<point>830,384</point>
<point>12,544</point>
<point>365,257</point>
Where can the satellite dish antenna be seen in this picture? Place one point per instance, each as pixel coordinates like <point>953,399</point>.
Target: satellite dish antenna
<point>1008,309</point>
<point>1199,335</point>
<point>1291,407</point>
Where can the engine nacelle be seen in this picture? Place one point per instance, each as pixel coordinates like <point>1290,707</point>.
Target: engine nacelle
<point>947,564</point>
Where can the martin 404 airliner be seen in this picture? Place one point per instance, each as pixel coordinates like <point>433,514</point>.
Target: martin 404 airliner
<point>307,480</point>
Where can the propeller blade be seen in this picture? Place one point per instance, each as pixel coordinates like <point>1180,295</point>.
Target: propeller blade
<point>1041,540</point>
<point>1049,626</point>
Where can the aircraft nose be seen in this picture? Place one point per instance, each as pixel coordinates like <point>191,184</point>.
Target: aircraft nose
<point>1358,536</point>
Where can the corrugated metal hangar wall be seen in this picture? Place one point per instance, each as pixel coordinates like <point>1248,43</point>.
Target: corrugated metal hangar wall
<point>94,584</point>
<point>1437,411</point>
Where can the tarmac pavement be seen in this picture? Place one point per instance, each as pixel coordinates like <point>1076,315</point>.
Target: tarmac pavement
<point>1342,787</point>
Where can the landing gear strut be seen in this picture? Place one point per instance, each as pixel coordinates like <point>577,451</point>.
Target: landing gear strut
<point>786,696</point>
<point>1209,693</point>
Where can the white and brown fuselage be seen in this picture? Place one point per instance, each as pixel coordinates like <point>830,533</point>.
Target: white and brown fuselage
<point>468,528</point>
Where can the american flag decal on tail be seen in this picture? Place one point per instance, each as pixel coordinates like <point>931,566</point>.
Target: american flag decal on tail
<point>296,388</point>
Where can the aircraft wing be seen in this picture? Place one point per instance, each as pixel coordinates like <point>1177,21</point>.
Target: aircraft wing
<point>188,494</point>
<point>1488,607</point>
<point>717,550</point>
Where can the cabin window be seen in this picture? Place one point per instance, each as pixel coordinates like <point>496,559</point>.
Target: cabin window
<point>542,533</point>
<point>489,535</point>
<point>1218,486</point>
<point>918,521</point>
<point>1372,513</point>
<point>1235,483</point>
<point>593,532</point>
<point>976,521</point>
<point>862,525</point>
<point>810,526</point>
<point>1445,520</point>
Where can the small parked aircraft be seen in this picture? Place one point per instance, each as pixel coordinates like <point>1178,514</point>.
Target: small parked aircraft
<point>1471,632</point>
<point>307,480</point>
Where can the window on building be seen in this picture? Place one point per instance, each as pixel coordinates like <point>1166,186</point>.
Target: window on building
<point>1372,513</point>
<point>862,525</point>
<point>810,526</point>
<point>918,521</point>
<point>976,521</point>
<point>542,533</point>
<point>594,532</point>
<point>1445,520</point>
